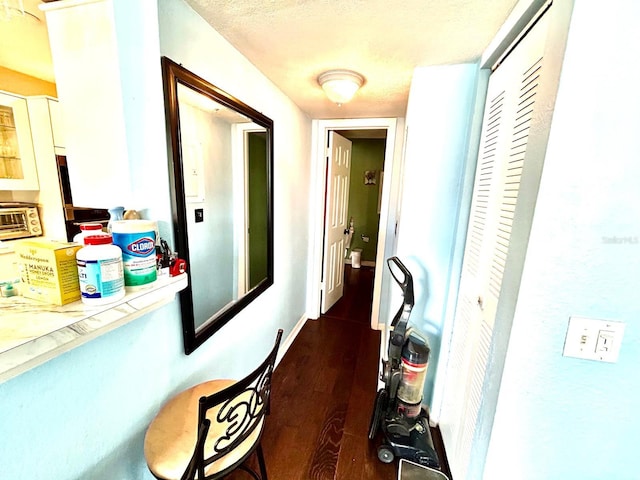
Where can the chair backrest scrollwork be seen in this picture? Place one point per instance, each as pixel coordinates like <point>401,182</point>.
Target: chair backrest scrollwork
<point>236,415</point>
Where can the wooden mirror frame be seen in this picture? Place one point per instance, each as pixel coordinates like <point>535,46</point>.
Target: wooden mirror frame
<point>174,74</point>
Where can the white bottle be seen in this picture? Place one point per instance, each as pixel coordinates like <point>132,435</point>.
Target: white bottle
<point>100,270</point>
<point>87,229</point>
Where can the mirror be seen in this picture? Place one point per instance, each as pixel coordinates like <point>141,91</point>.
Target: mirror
<point>221,174</point>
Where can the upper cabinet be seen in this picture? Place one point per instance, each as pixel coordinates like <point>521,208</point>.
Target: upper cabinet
<point>17,159</point>
<point>56,125</point>
<point>48,141</point>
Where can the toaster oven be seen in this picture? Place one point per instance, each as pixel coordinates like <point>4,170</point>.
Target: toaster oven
<point>19,220</point>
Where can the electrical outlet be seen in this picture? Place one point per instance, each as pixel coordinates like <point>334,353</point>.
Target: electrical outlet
<point>593,339</point>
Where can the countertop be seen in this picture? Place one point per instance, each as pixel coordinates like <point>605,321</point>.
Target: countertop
<point>33,332</point>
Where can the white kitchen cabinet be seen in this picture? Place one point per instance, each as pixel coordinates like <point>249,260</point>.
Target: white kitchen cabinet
<point>44,126</point>
<point>57,126</point>
<point>17,159</point>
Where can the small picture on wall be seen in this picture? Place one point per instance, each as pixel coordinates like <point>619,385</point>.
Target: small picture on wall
<point>370,177</point>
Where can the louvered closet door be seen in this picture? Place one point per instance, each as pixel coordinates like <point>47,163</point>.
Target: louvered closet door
<point>510,105</point>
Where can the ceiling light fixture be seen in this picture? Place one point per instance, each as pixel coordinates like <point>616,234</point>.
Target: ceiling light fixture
<point>340,85</point>
<point>10,8</point>
<point>14,8</point>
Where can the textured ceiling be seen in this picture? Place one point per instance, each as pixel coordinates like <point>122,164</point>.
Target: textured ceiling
<point>293,41</point>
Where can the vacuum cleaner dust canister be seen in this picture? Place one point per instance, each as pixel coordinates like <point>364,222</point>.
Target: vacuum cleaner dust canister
<point>415,358</point>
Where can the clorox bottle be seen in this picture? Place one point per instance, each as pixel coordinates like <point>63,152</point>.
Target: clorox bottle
<point>137,240</point>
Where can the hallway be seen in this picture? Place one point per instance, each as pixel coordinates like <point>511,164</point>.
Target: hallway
<point>323,393</point>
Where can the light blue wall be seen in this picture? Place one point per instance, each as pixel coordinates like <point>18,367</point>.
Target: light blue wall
<point>188,40</point>
<point>213,238</point>
<point>84,414</point>
<point>559,417</point>
<point>441,106</point>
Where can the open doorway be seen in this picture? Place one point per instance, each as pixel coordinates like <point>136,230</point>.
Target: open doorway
<point>354,169</point>
<point>365,195</point>
<point>385,208</point>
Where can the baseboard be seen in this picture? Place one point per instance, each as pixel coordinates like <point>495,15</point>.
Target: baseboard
<point>364,263</point>
<point>438,445</point>
<point>284,346</point>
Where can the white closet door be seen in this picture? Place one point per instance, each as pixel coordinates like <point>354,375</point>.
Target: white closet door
<point>509,108</point>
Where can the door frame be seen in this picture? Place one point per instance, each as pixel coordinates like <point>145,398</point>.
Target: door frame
<point>388,213</point>
<point>240,156</point>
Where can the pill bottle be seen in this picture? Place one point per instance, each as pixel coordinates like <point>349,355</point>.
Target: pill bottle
<point>87,229</point>
<point>100,270</point>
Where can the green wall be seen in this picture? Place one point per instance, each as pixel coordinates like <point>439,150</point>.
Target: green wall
<point>258,208</point>
<point>366,155</point>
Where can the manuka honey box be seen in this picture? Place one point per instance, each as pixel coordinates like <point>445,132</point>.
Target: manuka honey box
<point>48,270</point>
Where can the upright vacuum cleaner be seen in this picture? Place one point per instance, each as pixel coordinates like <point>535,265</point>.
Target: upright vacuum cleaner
<point>398,411</point>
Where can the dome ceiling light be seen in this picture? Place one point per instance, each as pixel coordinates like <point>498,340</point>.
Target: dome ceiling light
<point>340,85</point>
<point>10,9</point>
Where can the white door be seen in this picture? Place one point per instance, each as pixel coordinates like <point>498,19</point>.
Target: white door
<point>335,219</point>
<point>513,97</point>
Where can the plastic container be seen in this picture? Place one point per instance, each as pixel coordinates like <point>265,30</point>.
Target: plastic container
<point>87,229</point>
<point>356,257</point>
<point>100,270</point>
<point>7,289</point>
<point>137,240</point>
<point>115,214</point>
<point>415,357</point>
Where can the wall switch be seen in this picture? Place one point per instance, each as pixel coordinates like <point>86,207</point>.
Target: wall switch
<point>593,339</point>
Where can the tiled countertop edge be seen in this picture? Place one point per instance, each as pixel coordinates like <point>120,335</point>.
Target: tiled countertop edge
<point>40,350</point>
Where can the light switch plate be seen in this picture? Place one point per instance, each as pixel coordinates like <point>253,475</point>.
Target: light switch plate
<point>593,339</point>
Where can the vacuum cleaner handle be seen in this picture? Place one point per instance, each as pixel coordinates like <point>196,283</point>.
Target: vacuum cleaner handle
<point>406,283</point>
<point>403,278</point>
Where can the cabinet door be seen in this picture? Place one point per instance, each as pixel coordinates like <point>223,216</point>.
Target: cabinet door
<point>17,160</point>
<point>51,207</point>
<point>57,126</point>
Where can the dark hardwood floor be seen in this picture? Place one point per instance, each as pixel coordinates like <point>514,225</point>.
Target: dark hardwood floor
<point>323,393</point>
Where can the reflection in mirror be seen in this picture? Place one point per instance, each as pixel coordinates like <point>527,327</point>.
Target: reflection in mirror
<point>221,175</point>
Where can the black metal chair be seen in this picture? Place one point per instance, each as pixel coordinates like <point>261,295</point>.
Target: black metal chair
<point>211,429</point>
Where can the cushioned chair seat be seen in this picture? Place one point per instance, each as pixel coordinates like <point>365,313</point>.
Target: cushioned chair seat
<point>170,440</point>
